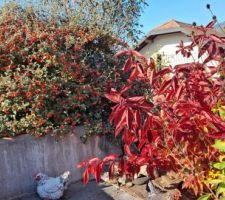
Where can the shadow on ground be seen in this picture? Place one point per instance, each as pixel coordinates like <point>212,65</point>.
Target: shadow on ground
<point>92,191</point>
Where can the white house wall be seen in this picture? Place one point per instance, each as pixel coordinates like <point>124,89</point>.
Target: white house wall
<point>166,45</point>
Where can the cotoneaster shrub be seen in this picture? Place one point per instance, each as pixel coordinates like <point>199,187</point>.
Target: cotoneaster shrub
<point>53,76</point>
<point>173,125</point>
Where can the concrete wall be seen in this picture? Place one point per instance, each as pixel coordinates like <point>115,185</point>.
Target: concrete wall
<point>23,156</point>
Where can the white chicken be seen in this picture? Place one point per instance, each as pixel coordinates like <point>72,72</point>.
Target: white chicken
<point>51,188</point>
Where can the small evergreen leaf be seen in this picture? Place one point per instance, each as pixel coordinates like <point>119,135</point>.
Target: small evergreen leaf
<point>204,197</point>
<point>219,165</point>
<point>220,189</point>
<point>220,145</point>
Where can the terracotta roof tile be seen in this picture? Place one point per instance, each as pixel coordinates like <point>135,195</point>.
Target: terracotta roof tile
<point>173,26</point>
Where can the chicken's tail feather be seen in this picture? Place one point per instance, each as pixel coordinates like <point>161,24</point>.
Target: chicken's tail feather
<point>65,176</point>
<point>65,179</point>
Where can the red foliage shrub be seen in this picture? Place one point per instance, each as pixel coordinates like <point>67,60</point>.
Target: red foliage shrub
<point>53,76</point>
<point>173,126</point>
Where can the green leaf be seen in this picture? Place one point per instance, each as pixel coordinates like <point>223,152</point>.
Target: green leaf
<point>204,197</point>
<point>214,181</point>
<point>220,145</point>
<point>219,165</point>
<point>220,189</point>
<point>221,112</point>
<point>221,158</point>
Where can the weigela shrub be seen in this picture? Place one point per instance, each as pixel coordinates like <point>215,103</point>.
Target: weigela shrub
<point>53,76</point>
<point>173,126</point>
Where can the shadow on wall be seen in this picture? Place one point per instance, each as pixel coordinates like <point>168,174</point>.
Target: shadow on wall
<point>23,156</point>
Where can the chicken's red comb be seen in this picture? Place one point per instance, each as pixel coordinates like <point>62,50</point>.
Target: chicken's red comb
<point>36,174</point>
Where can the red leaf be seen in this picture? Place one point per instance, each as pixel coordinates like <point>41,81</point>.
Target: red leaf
<point>164,86</point>
<point>148,122</point>
<point>203,49</point>
<point>219,135</point>
<point>134,74</point>
<point>146,105</point>
<point>141,143</point>
<point>174,83</point>
<point>125,88</point>
<point>128,137</point>
<point>115,109</point>
<point>150,171</point>
<point>129,53</point>
<point>81,164</point>
<point>213,70</point>
<point>216,38</point>
<point>169,95</point>
<point>151,76</point>
<point>137,118</point>
<point>121,167</point>
<point>129,118</point>
<point>136,53</point>
<point>110,157</point>
<point>86,176</point>
<point>179,92</point>
<point>209,58</point>
<point>98,171</point>
<point>122,121</point>
<point>114,96</point>
<point>140,69</point>
<point>183,67</point>
<point>152,64</point>
<point>212,49</point>
<point>211,24</point>
<point>136,99</point>
<point>111,170</point>
<point>142,161</point>
<point>164,71</point>
<point>118,130</point>
<point>118,113</point>
<point>93,161</point>
<point>128,151</point>
<point>127,66</point>
<point>139,102</point>
<point>122,53</point>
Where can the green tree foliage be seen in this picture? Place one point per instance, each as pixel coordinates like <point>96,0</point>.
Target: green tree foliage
<point>117,17</point>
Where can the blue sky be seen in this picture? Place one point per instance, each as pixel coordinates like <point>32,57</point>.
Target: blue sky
<point>160,11</point>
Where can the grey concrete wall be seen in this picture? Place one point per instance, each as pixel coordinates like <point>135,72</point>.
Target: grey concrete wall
<point>23,156</point>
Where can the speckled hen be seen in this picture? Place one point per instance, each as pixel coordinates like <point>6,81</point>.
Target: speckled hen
<point>51,188</point>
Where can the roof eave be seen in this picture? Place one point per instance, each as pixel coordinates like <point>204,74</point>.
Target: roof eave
<point>152,34</point>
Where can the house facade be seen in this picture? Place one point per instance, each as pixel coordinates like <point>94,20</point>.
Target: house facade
<point>161,43</point>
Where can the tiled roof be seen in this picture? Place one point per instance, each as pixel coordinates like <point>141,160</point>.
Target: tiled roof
<point>172,26</point>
